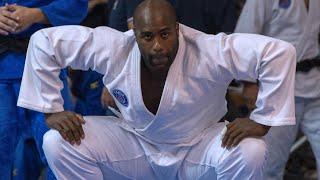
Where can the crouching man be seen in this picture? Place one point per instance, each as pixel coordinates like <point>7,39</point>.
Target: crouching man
<point>169,82</point>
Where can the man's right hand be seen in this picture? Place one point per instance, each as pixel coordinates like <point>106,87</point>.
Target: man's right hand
<point>8,21</point>
<point>69,125</point>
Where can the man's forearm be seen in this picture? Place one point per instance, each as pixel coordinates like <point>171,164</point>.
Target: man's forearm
<point>39,16</point>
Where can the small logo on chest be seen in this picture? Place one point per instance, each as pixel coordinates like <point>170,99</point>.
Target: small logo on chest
<point>121,97</point>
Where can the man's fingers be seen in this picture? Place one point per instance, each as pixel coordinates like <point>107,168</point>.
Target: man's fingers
<point>81,119</point>
<point>106,99</point>
<point>228,136</point>
<point>113,104</point>
<point>232,126</point>
<point>11,16</point>
<point>228,141</point>
<point>62,132</point>
<point>73,119</point>
<point>70,137</point>
<point>225,138</point>
<point>68,124</point>
<point>11,7</point>
<point>102,101</point>
<point>2,32</point>
<point>64,136</point>
<point>73,133</point>
<point>67,128</point>
<point>232,137</point>
<point>64,126</point>
<point>76,121</point>
<point>77,131</point>
<point>238,139</point>
<point>6,27</point>
<point>106,102</point>
<point>82,135</point>
<point>102,98</point>
<point>70,132</point>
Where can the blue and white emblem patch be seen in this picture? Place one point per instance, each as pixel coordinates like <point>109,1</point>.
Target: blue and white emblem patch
<point>284,4</point>
<point>121,97</point>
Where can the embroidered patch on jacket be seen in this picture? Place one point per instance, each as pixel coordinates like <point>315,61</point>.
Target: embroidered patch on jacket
<point>94,85</point>
<point>284,4</point>
<point>121,97</point>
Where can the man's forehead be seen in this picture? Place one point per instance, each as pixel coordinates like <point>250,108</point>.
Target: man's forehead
<point>154,24</point>
<point>154,14</point>
<point>155,28</point>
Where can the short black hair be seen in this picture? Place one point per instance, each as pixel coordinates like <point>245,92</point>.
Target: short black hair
<point>162,5</point>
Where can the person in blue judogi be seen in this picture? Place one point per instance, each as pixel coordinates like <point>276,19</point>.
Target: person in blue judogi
<point>29,159</point>
<point>87,88</point>
<point>18,20</point>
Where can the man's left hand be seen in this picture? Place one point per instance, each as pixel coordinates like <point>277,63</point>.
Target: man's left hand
<point>241,128</point>
<point>106,99</point>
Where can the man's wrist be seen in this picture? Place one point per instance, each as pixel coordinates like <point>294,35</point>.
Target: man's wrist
<point>39,16</point>
<point>263,128</point>
<point>47,115</point>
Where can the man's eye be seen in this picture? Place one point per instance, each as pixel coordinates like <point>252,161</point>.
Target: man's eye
<point>164,35</point>
<point>147,37</point>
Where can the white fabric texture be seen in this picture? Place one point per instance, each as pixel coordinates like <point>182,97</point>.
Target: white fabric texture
<point>110,152</point>
<point>294,24</point>
<point>307,116</point>
<point>299,26</point>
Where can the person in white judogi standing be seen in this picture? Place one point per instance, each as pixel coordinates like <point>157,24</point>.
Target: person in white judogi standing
<point>297,22</point>
<point>169,82</point>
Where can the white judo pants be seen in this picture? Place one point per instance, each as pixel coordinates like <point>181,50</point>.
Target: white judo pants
<point>280,139</point>
<point>110,152</point>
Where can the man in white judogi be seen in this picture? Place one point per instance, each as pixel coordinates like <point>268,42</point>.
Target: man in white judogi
<point>169,82</point>
<point>297,22</point>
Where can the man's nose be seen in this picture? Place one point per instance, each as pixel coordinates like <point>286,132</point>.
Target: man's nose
<point>157,46</point>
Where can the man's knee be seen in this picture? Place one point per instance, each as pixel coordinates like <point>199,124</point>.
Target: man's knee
<point>253,152</point>
<point>52,144</point>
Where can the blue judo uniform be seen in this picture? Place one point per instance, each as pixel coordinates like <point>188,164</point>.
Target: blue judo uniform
<point>87,87</point>
<point>29,159</point>
<point>17,122</point>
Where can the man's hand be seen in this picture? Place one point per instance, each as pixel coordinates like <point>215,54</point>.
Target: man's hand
<point>68,124</point>
<point>241,128</point>
<point>250,93</point>
<point>8,21</point>
<point>25,16</point>
<point>107,100</point>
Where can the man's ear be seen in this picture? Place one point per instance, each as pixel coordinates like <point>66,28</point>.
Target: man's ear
<point>177,28</point>
<point>130,23</point>
<point>134,29</point>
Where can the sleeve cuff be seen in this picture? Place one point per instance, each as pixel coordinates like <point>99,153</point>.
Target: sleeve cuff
<point>24,104</point>
<point>274,121</point>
